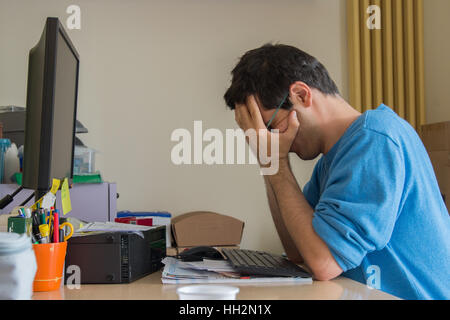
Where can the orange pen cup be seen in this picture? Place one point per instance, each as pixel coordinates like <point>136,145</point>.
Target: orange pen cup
<point>50,263</point>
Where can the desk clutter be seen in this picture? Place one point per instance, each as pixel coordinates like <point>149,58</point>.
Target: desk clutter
<point>32,252</point>
<point>42,249</point>
<point>205,249</point>
<point>41,225</point>
<point>145,218</point>
<point>136,243</point>
<point>177,271</point>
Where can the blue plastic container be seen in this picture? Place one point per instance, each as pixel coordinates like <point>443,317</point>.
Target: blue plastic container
<point>4,145</point>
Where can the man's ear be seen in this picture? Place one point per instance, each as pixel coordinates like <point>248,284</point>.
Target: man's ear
<point>300,92</point>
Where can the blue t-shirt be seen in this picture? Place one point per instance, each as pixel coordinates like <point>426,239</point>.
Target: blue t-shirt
<point>379,209</point>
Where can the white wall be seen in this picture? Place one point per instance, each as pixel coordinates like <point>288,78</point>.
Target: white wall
<point>149,67</point>
<point>437,62</point>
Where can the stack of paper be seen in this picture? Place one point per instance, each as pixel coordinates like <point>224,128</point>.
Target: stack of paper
<point>111,227</point>
<point>213,271</point>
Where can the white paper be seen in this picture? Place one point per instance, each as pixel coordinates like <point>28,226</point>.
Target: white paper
<point>48,201</point>
<point>112,226</point>
<point>207,265</point>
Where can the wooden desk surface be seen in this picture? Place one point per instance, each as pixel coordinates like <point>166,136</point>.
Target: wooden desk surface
<point>151,288</point>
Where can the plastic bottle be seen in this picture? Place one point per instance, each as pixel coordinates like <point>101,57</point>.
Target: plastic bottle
<point>20,154</point>
<point>12,164</point>
<point>17,266</point>
<point>4,145</point>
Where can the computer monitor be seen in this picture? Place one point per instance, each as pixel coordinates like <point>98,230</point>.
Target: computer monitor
<point>51,109</point>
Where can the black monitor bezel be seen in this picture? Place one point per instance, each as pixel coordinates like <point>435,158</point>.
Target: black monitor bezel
<point>53,28</point>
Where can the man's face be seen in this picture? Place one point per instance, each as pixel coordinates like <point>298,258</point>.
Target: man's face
<point>306,144</point>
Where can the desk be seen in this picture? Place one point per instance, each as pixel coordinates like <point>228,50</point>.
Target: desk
<point>150,287</point>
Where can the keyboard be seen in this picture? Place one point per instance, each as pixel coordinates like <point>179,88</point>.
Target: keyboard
<point>259,263</point>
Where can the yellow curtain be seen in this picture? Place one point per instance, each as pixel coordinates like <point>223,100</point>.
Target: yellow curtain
<point>386,59</point>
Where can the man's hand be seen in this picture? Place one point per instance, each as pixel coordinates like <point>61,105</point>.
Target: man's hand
<point>248,116</point>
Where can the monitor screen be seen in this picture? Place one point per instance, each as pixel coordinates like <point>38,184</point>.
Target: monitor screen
<point>63,110</point>
<point>51,109</point>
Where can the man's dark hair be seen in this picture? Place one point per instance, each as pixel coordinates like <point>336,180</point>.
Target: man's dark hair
<point>268,72</point>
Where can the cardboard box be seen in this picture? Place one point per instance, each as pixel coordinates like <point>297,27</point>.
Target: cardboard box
<point>204,228</point>
<point>436,138</point>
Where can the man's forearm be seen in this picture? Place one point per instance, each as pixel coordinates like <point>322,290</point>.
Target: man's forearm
<point>286,240</point>
<point>297,215</point>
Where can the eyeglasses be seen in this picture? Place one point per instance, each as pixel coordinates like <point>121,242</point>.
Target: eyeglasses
<point>276,111</point>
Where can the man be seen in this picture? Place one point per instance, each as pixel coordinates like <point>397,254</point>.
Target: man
<point>372,205</point>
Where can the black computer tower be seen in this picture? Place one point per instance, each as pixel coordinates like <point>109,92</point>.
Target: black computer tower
<point>115,257</point>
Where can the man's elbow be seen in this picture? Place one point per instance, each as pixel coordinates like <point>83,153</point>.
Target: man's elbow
<point>325,273</point>
<point>325,276</point>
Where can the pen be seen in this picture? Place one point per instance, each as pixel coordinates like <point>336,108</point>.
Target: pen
<point>42,216</point>
<point>61,235</point>
<point>56,226</point>
<point>44,229</point>
<point>35,228</point>
<point>50,216</point>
